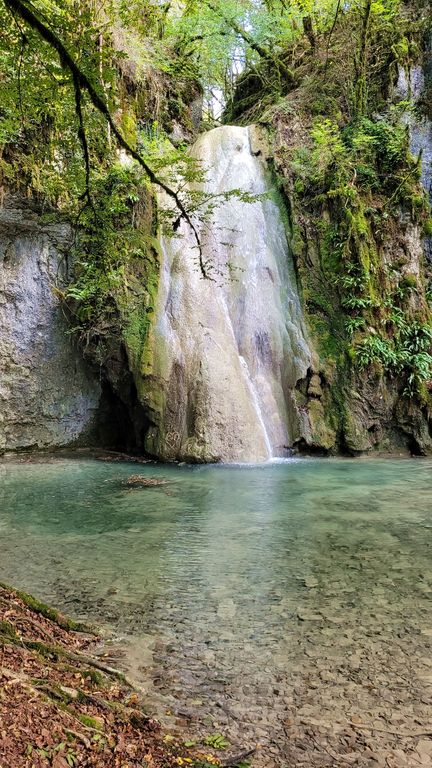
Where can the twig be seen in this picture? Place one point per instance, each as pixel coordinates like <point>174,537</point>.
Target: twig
<point>330,34</point>
<point>227,711</point>
<point>331,753</point>
<point>91,662</point>
<point>20,63</point>
<point>11,675</point>
<point>82,137</point>
<point>401,734</point>
<point>233,761</point>
<point>410,173</point>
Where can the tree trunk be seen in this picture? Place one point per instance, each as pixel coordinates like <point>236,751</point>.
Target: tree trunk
<point>362,63</point>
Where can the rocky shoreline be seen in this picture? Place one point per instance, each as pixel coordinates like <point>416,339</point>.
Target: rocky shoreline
<point>63,706</point>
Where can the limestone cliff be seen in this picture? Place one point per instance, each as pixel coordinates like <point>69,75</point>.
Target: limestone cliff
<point>48,396</point>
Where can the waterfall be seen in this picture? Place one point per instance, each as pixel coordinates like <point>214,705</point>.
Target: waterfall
<point>412,87</point>
<point>225,354</point>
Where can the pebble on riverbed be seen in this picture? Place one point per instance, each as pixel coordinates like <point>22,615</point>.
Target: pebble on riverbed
<point>140,481</point>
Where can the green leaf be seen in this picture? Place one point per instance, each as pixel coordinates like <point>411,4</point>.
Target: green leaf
<point>217,741</point>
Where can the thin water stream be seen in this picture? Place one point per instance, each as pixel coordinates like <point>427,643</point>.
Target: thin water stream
<point>277,603</point>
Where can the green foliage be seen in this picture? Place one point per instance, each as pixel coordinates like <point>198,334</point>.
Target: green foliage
<point>353,183</point>
<point>111,240</point>
<point>90,722</point>
<point>7,630</point>
<point>39,145</point>
<point>407,353</point>
<point>353,324</point>
<point>217,741</point>
<point>427,228</point>
<point>220,40</point>
<point>328,152</point>
<point>211,764</point>
<point>364,155</point>
<point>67,754</point>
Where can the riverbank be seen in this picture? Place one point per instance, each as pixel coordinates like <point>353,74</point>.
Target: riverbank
<point>63,706</point>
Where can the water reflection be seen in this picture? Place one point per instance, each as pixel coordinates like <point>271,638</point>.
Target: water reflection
<point>311,578</point>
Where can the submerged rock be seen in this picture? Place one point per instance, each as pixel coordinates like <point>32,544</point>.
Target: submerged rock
<point>140,481</point>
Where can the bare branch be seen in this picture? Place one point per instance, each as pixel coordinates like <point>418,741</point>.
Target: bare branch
<point>331,33</point>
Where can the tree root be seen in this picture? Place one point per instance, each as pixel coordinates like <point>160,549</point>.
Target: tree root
<point>57,650</point>
<point>92,662</point>
<point>333,755</point>
<point>43,692</point>
<point>79,737</point>
<point>96,701</point>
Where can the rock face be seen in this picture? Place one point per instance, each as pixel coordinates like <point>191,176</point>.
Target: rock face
<point>48,396</point>
<point>226,352</point>
<point>350,411</point>
<point>415,87</point>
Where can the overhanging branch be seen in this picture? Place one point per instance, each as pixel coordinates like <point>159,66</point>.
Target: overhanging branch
<point>82,137</point>
<point>82,82</point>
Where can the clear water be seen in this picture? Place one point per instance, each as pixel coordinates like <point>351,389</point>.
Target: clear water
<point>250,600</point>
